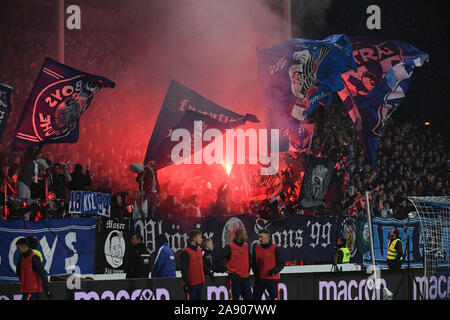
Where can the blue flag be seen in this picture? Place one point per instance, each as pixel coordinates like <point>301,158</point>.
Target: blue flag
<point>296,76</point>
<point>180,109</point>
<point>59,96</point>
<point>88,202</point>
<point>5,105</point>
<point>379,85</point>
<point>66,244</point>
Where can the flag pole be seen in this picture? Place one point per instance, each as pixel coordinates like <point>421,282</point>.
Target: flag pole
<point>6,193</point>
<point>372,250</point>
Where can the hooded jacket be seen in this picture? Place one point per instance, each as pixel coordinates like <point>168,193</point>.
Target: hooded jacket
<point>164,266</point>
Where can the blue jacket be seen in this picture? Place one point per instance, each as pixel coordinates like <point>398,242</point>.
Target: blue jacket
<point>164,266</point>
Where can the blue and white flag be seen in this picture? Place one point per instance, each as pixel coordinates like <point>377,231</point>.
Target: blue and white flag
<point>87,202</point>
<point>67,245</point>
<point>297,75</point>
<point>5,105</point>
<point>379,85</point>
<point>59,96</point>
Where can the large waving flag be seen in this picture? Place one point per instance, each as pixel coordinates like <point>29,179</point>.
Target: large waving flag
<point>297,75</point>
<point>59,96</point>
<point>180,109</point>
<point>5,105</point>
<point>379,85</point>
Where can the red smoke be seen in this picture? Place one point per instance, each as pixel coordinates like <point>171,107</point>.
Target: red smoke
<point>208,46</point>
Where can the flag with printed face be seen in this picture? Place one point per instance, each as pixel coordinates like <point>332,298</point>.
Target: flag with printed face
<point>316,181</point>
<point>5,105</point>
<point>59,96</point>
<point>296,76</point>
<point>375,90</point>
<point>192,115</point>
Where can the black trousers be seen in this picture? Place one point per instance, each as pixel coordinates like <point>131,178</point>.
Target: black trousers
<point>394,264</point>
<point>271,285</point>
<point>240,287</point>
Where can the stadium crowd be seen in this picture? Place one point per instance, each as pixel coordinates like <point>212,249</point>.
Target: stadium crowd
<point>412,159</point>
<point>410,163</point>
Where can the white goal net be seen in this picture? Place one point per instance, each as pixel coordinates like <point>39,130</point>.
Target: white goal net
<point>434,214</point>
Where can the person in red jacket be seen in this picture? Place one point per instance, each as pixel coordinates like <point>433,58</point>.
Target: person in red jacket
<point>192,273</point>
<point>237,264</point>
<point>267,264</point>
<point>33,279</point>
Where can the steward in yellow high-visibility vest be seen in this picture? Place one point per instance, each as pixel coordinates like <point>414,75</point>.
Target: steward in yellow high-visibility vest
<point>394,251</point>
<point>39,254</point>
<point>342,253</point>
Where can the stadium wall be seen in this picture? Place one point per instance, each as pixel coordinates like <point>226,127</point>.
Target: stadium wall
<point>353,285</point>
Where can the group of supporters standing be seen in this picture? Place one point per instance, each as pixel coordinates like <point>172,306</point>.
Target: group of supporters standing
<point>197,263</point>
<point>236,260</point>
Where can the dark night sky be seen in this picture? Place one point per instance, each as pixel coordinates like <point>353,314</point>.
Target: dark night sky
<point>424,24</point>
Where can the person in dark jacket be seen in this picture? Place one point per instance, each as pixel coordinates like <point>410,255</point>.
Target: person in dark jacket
<point>150,186</point>
<point>118,206</point>
<point>208,264</point>
<point>60,179</point>
<point>80,181</point>
<point>164,265</point>
<point>237,264</point>
<point>267,264</point>
<point>139,259</point>
<point>28,173</point>
<point>33,278</point>
<point>192,274</point>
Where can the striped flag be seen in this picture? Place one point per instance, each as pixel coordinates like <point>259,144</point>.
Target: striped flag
<point>375,90</point>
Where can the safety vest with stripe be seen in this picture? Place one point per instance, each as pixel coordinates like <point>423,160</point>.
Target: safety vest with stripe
<point>346,255</point>
<point>39,254</point>
<point>392,252</point>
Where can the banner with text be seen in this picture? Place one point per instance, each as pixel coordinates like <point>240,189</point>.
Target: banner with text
<point>86,202</point>
<point>67,245</point>
<point>311,239</point>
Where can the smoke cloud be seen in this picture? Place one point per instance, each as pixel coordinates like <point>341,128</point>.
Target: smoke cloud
<point>208,46</point>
